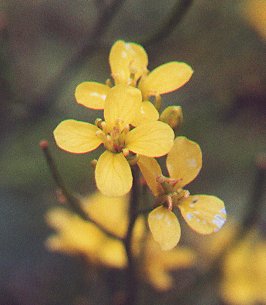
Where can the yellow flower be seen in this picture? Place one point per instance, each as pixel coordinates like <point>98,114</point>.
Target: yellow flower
<point>244,272</point>
<point>255,13</point>
<point>158,265</point>
<point>128,62</point>
<point>210,247</point>
<point>74,236</point>
<point>77,236</point>
<point>113,174</point>
<point>203,213</point>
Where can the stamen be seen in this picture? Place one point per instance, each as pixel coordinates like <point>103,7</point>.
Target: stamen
<point>93,163</point>
<point>109,82</point>
<point>98,123</point>
<point>101,135</point>
<point>104,126</point>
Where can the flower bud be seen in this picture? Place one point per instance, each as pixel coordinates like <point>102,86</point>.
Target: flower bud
<point>173,116</point>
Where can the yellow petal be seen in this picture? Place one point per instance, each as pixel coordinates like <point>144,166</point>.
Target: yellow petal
<point>110,212</point>
<point>113,174</point>
<point>112,254</point>
<point>153,139</point>
<point>122,104</point>
<point>76,137</point>
<point>159,278</point>
<point>184,160</point>
<point>127,59</point>
<point>74,235</point>
<point>166,78</point>
<point>204,214</point>
<point>147,112</point>
<point>164,227</point>
<point>91,94</point>
<point>180,257</point>
<point>150,170</point>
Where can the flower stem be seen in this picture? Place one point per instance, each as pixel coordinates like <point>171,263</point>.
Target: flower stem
<point>73,201</point>
<point>133,214</point>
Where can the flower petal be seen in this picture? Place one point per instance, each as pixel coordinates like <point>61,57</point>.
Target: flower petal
<point>109,212</point>
<point>74,235</point>
<point>126,59</point>
<point>164,227</point>
<point>204,214</point>
<point>166,78</point>
<point>111,253</point>
<point>76,137</point>
<point>153,139</point>
<point>150,170</point>
<point>122,104</point>
<point>147,112</point>
<point>184,160</point>
<point>91,94</point>
<point>113,174</point>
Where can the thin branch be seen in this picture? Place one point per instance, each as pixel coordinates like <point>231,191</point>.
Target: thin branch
<point>73,201</point>
<point>133,214</point>
<point>55,86</point>
<point>177,13</point>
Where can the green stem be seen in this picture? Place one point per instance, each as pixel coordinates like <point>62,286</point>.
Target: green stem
<point>73,201</point>
<point>133,214</point>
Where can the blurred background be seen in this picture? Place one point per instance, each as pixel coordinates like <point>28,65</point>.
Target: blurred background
<point>47,48</point>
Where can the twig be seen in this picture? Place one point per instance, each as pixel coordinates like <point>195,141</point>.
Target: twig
<point>72,200</point>
<point>177,13</point>
<point>133,214</point>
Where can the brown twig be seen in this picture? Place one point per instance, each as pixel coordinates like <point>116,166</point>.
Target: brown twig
<point>73,201</point>
<point>177,13</point>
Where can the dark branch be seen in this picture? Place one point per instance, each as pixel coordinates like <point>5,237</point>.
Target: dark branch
<point>178,12</point>
<point>55,86</point>
<point>73,201</point>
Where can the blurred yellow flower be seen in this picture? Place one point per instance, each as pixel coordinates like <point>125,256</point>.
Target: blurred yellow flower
<point>210,247</point>
<point>203,213</point>
<point>75,236</point>
<point>158,265</point>
<point>244,272</point>
<point>113,174</point>
<point>128,62</point>
<point>255,13</point>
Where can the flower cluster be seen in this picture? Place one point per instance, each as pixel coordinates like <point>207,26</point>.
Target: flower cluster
<point>133,131</point>
<point>76,236</point>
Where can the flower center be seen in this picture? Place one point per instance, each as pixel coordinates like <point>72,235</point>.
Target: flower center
<point>113,137</point>
<point>173,194</point>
